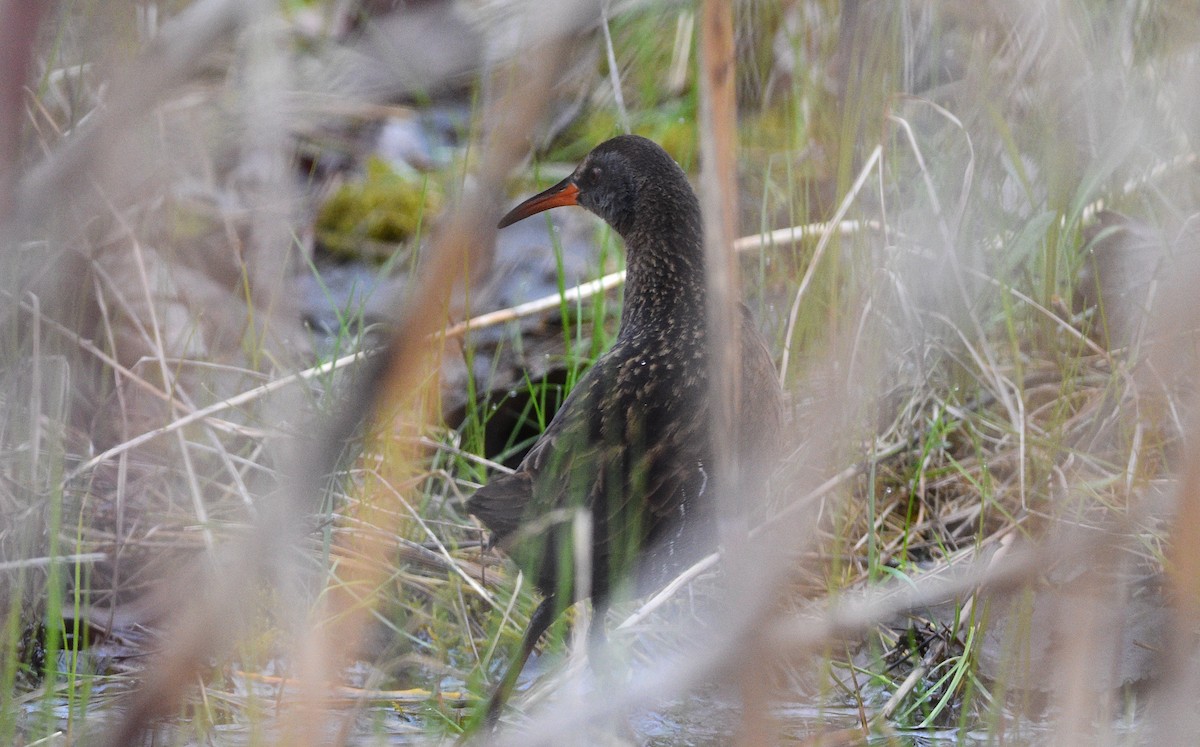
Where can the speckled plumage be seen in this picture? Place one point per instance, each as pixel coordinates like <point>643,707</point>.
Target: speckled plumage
<point>631,441</point>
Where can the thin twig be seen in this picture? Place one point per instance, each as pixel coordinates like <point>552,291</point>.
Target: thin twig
<point>226,404</point>
<point>826,237</point>
<point>86,557</point>
<point>614,72</point>
<point>584,291</point>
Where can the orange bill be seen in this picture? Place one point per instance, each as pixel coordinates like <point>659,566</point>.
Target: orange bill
<point>563,193</point>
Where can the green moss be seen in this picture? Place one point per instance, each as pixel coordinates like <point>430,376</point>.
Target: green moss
<point>385,207</point>
<point>190,221</point>
<point>644,45</point>
<point>672,125</point>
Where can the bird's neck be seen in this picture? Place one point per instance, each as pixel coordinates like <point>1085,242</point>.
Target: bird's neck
<point>665,278</point>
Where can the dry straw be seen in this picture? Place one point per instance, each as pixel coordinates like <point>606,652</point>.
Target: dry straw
<point>987,518</point>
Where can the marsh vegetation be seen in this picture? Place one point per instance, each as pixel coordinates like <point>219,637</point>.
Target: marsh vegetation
<point>260,339</point>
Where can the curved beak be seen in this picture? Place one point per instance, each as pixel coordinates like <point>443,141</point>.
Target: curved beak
<point>563,193</point>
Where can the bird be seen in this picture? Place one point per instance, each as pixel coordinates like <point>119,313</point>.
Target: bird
<point>630,443</point>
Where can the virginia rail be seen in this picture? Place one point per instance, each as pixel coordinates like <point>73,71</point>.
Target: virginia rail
<point>630,443</point>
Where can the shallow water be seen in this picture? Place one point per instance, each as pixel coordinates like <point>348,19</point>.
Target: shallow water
<point>708,718</point>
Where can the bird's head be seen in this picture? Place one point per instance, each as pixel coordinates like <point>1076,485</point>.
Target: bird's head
<point>613,181</point>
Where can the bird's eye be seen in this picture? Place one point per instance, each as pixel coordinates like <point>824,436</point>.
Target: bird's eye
<point>597,172</point>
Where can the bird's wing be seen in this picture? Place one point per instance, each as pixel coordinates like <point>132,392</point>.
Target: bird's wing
<point>630,450</point>
<point>501,504</point>
<point>533,490</point>
<point>643,446</point>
